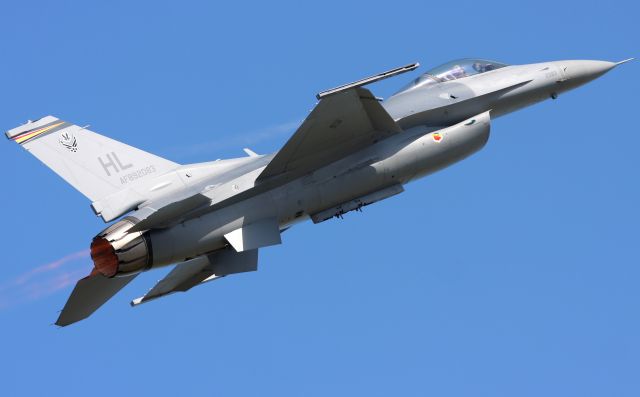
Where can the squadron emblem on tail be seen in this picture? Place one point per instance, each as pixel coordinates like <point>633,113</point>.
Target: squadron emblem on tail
<point>69,141</point>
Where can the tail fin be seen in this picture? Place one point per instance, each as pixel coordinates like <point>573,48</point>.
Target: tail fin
<point>95,165</point>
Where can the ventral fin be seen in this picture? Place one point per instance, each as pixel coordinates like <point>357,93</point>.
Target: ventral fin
<point>254,235</point>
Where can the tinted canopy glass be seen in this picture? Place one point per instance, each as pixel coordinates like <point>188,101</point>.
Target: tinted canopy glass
<point>454,70</point>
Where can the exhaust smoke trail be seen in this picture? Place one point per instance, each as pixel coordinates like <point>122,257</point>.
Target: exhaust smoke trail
<point>44,280</point>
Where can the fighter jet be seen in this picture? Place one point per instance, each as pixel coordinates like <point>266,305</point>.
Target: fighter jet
<point>210,219</point>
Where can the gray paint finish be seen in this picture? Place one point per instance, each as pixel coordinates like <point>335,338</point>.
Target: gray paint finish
<point>352,150</point>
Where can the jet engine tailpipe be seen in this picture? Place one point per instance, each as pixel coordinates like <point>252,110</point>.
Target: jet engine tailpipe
<point>116,252</point>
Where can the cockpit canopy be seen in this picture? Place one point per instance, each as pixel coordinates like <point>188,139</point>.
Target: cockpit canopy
<point>452,71</point>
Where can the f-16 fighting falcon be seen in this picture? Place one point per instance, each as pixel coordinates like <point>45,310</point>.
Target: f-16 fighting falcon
<point>353,149</point>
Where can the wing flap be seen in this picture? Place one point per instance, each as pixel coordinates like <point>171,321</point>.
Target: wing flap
<point>150,217</point>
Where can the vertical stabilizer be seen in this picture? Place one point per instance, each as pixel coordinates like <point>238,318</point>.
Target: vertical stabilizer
<point>95,165</point>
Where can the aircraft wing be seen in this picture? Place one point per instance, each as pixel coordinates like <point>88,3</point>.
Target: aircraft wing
<point>186,275</point>
<point>341,123</point>
<point>346,119</point>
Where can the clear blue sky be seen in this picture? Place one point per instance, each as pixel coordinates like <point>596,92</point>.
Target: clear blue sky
<point>513,273</point>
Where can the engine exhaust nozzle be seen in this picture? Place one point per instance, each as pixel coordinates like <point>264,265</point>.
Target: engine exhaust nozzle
<point>104,257</point>
<point>116,252</point>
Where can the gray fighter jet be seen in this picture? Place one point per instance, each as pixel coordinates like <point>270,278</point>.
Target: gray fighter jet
<point>353,149</point>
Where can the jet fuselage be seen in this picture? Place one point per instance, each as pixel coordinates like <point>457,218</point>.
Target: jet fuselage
<point>384,167</point>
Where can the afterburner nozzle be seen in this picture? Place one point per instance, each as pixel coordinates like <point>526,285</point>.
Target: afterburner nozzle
<point>104,257</point>
<point>117,252</point>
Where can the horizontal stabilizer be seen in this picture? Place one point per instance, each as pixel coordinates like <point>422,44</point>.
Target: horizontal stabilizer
<point>88,295</point>
<point>189,274</point>
<point>255,235</point>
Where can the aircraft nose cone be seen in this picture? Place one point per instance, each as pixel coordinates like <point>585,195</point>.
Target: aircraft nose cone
<point>580,72</point>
